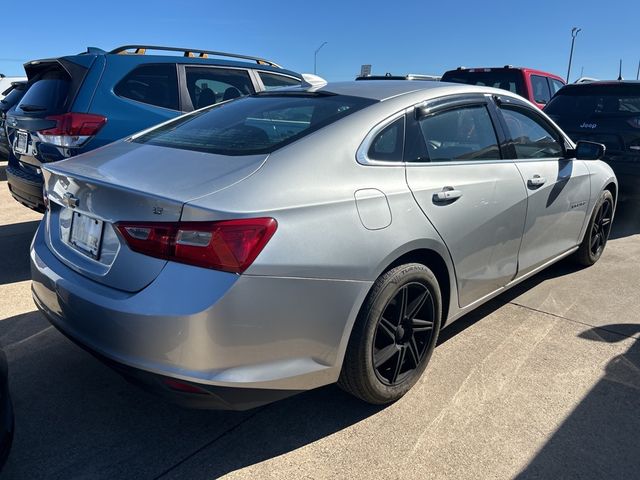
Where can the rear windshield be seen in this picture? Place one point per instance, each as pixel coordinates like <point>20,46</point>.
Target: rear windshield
<point>260,123</point>
<point>618,100</point>
<point>505,79</point>
<point>48,94</point>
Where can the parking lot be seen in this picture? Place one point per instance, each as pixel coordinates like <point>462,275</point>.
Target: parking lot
<point>542,382</point>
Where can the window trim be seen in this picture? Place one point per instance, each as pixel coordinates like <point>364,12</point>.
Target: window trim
<point>122,97</point>
<point>186,103</point>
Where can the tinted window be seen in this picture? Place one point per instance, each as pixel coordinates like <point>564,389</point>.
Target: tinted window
<point>541,93</point>
<point>272,80</point>
<point>13,97</point>
<point>153,84</point>
<point>531,137</point>
<point>596,100</point>
<point>388,144</point>
<point>505,79</point>
<point>555,85</point>
<point>48,94</point>
<point>208,86</point>
<point>259,123</point>
<point>462,134</point>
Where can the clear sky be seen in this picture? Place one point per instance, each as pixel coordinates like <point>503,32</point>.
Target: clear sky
<point>394,36</point>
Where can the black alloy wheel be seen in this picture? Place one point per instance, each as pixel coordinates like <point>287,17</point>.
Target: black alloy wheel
<point>403,333</point>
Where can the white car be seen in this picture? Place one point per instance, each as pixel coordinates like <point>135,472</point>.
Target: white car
<point>5,83</point>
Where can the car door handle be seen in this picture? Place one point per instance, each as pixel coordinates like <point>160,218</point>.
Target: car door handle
<point>536,181</point>
<point>447,194</point>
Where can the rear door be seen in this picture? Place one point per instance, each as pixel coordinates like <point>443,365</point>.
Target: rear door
<point>473,197</point>
<point>558,188</point>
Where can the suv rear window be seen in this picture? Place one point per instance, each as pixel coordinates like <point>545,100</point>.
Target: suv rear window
<point>260,123</point>
<point>48,94</point>
<point>153,84</point>
<point>505,79</point>
<point>598,99</point>
<point>13,96</point>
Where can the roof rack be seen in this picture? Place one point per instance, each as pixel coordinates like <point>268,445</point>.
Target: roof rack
<point>189,52</point>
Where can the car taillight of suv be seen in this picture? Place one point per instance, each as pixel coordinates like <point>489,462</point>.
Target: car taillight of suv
<point>72,129</point>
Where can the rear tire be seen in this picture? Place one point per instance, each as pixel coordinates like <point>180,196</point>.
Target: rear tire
<point>597,234</point>
<point>394,335</point>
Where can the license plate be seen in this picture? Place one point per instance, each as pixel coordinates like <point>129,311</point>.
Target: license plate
<point>22,141</point>
<point>86,234</point>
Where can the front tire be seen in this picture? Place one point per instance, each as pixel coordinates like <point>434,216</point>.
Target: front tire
<point>597,234</point>
<point>394,335</point>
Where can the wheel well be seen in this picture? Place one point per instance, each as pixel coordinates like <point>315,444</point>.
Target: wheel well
<point>612,188</point>
<point>434,261</point>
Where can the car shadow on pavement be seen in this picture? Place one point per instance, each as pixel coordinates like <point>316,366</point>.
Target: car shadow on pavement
<point>3,172</point>
<point>15,240</point>
<point>76,418</point>
<point>599,438</point>
<point>627,219</point>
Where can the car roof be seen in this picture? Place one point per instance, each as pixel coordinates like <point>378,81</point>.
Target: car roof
<point>382,90</point>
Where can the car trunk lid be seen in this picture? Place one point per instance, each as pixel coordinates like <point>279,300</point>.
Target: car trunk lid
<point>128,182</point>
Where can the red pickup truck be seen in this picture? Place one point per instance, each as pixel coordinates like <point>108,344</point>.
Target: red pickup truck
<point>536,86</point>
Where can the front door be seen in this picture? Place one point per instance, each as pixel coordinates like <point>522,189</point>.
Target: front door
<point>474,198</point>
<point>558,188</point>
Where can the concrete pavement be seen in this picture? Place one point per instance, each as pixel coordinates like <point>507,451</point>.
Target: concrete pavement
<point>542,382</point>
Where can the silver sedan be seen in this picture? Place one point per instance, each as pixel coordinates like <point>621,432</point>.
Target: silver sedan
<point>317,234</point>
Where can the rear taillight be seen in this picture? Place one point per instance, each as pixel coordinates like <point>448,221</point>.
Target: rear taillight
<point>228,245</point>
<point>72,129</point>
<point>634,122</point>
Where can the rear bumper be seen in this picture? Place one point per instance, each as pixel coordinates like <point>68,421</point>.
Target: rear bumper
<point>25,188</point>
<point>245,340</point>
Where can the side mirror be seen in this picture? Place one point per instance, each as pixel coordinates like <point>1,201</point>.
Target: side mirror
<point>589,150</point>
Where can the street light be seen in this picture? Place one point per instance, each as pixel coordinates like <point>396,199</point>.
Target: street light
<point>574,34</point>
<point>315,57</point>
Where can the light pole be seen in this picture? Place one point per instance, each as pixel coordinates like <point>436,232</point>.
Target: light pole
<point>315,57</point>
<point>574,34</point>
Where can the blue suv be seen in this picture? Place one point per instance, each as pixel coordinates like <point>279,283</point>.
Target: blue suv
<point>77,103</point>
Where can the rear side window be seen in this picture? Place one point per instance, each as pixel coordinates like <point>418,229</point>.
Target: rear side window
<point>464,133</point>
<point>153,84</point>
<point>208,86</point>
<point>273,80</point>
<point>530,136</point>
<point>388,145</point>
<point>48,94</point>
<point>541,93</point>
<point>255,124</point>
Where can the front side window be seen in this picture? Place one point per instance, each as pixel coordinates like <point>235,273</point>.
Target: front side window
<point>208,86</point>
<point>388,145</point>
<point>530,136</point>
<point>260,123</point>
<point>153,84</point>
<point>273,80</point>
<point>464,133</point>
<point>541,93</point>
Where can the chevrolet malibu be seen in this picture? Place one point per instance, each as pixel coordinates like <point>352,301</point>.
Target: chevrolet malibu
<point>317,234</point>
